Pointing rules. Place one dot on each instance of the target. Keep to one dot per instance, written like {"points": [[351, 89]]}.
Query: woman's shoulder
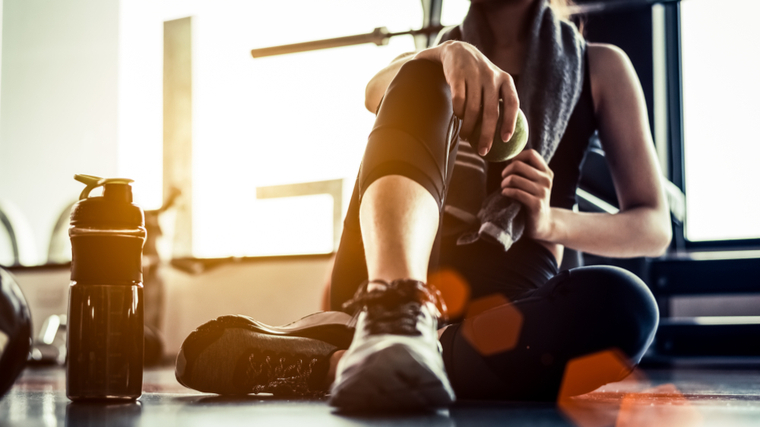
{"points": [[608, 66], [605, 56]]}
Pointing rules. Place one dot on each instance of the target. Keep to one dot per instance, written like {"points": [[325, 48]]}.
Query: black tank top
{"points": [[567, 160], [526, 265]]}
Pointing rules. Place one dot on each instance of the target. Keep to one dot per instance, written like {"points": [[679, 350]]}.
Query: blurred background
{"points": [[248, 164]]}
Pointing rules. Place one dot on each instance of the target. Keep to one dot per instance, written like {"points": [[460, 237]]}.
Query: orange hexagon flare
{"points": [[454, 289], [585, 374], [492, 325]]}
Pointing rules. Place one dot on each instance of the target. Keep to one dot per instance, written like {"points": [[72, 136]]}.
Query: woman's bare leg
{"points": [[399, 221], [396, 215], [395, 346]]}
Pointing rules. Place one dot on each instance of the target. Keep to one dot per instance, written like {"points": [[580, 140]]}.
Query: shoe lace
{"points": [[395, 307], [280, 374]]}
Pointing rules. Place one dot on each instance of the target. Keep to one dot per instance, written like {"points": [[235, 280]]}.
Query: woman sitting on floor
{"points": [[425, 201]]}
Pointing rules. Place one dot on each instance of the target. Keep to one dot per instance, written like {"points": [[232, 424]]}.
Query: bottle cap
{"points": [[107, 233], [113, 210]]}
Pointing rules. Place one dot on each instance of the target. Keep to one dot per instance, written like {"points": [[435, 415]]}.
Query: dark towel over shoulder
{"points": [[549, 87]]}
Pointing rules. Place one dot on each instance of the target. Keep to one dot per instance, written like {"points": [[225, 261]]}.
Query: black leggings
{"points": [[564, 315]]}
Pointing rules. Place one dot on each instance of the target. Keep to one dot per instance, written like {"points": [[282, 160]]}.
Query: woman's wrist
{"points": [[557, 232], [431, 53]]}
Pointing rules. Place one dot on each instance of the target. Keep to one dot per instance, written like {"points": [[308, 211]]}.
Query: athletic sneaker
{"points": [[238, 355], [394, 361]]}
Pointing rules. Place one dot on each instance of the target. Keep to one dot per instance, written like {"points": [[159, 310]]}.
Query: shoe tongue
{"points": [[377, 286], [412, 291], [394, 296], [388, 295], [409, 289]]}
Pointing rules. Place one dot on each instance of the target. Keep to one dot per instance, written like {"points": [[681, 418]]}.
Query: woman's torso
{"points": [[567, 160], [528, 263]]}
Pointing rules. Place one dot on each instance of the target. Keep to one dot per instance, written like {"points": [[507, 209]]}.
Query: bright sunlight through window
{"points": [[257, 122], [721, 65], [453, 11]]}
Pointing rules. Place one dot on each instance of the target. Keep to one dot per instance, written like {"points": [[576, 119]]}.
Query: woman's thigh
{"points": [[578, 312], [488, 271]]}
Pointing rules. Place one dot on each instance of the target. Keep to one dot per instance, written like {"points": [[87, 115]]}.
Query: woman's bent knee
{"points": [[418, 101], [411, 136], [624, 304]]}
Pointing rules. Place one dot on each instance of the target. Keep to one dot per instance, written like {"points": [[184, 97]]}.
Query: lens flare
{"points": [[585, 374], [492, 325], [454, 290], [630, 403], [663, 405]]}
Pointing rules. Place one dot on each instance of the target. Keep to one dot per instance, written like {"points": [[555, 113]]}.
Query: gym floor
{"points": [[682, 397]]}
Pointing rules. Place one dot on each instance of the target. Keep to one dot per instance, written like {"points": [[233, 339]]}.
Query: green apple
{"points": [[502, 151]]}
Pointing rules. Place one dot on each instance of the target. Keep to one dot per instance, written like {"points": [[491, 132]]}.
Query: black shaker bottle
{"points": [[105, 322]]}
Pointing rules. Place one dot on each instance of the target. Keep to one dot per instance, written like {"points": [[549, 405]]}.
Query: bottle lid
{"points": [[113, 210]]}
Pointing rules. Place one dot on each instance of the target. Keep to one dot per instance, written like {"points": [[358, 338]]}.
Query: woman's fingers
{"points": [[527, 171], [526, 174], [511, 104], [472, 109], [532, 158], [531, 187], [476, 86], [458, 96], [528, 200], [490, 120]]}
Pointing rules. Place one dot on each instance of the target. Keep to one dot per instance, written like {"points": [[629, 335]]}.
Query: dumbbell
{"points": [[15, 331]]}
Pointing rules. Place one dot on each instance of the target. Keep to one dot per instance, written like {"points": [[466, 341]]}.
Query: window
{"points": [[257, 122], [453, 11], [720, 69]]}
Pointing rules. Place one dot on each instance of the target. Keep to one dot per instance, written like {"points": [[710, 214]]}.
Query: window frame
{"points": [[676, 142]]}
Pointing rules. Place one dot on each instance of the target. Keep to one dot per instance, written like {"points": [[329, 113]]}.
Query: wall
{"points": [[273, 290], [58, 105]]}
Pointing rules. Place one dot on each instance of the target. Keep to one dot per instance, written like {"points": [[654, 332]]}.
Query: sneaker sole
{"points": [[393, 379], [234, 335]]}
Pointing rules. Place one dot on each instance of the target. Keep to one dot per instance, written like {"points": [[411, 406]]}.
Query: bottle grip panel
{"points": [[106, 259], [105, 341]]}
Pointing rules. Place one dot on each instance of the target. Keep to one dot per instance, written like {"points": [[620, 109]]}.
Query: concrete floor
{"points": [[674, 397]]}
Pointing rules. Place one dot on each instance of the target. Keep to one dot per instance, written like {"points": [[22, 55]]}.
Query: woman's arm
{"points": [[476, 85], [642, 227]]}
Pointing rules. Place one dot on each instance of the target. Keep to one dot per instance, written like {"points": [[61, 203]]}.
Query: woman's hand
{"points": [[528, 179], [476, 87]]}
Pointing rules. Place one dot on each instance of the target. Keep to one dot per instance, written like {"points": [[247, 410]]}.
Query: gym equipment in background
{"points": [[380, 35], [49, 347], [15, 331]]}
